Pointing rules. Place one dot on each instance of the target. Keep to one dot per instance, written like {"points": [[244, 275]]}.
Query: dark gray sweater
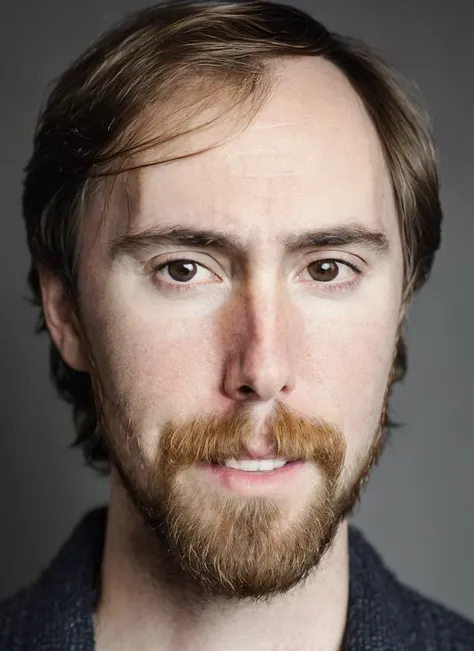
{"points": [[56, 612]]}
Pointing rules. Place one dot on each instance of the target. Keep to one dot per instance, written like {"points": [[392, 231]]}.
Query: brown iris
{"points": [[323, 270], [182, 270]]}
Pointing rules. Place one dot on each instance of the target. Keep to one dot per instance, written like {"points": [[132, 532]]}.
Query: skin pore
{"points": [[290, 296]]}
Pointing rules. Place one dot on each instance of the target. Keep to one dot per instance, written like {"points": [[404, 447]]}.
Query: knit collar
{"points": [[66, 595]]}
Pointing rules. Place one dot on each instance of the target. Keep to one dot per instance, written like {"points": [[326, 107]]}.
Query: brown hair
{"points": [[96, 117]]}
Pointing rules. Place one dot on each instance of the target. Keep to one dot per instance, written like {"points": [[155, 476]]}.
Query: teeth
{"points": [[255, 465]]}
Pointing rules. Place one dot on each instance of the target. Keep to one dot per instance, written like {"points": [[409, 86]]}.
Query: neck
{"points": [[143, 606]]}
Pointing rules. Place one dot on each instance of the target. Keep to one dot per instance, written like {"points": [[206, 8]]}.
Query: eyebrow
{"points": [[183, 236]]}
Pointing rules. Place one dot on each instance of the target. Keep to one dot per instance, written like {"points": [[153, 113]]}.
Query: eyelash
{"points": [[329, 286]]}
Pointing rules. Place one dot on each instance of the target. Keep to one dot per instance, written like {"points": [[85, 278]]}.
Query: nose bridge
{"points": [[266, 322], [264, 359]]}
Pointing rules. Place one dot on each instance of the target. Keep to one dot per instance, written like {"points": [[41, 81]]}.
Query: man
{"points": [[228, 210]]}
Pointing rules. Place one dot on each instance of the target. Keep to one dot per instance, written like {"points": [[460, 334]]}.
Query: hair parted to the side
{"points": [[97, 114]]}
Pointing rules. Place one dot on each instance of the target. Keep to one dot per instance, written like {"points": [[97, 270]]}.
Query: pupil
{"points": [[181, 270]]}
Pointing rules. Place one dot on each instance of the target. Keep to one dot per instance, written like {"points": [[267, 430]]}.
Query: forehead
{"points": [[310, 157]]}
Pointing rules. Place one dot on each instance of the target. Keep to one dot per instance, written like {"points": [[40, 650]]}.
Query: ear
{"points": [[62, 321]]}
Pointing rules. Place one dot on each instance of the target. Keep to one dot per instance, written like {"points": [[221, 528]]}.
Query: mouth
{"points": [[254, 477], [256, 465]]}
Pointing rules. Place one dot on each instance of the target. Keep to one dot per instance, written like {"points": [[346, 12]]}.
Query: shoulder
{"points": [[437, 625], [409, 619], [16, 615], [55, 612]]}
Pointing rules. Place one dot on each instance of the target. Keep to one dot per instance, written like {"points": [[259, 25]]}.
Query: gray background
{"points": [[418, 509]]}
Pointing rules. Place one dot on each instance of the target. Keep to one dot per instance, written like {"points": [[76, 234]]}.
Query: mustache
{"points": [[214, 439]]}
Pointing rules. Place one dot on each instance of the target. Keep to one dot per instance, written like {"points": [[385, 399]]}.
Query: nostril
{"points": [[246, 389]]}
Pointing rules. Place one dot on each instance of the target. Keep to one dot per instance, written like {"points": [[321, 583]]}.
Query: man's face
{"points": [[279, 345]]}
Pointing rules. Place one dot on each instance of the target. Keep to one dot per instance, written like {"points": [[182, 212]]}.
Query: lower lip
{"points": [[262, 483]]}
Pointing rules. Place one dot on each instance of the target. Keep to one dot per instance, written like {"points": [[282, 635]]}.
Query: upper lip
{"points": [[249, 455]]}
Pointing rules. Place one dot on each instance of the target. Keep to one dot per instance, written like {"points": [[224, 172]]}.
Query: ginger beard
{"points": [[228, 545]]}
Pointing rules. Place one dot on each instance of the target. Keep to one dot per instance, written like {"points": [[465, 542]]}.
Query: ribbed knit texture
{"points": [[55, 614]]}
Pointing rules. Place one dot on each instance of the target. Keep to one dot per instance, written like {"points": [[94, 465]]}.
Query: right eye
{"points": [[181, 271]]}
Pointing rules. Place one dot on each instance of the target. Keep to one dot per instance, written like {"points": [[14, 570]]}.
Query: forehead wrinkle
{"points": [[132, 205], [208, 214]]}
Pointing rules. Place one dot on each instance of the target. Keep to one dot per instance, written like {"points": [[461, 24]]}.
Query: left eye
{"points": [[325, 271], [182, 270]]}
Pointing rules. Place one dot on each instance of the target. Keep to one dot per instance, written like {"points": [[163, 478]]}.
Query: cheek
{"points": [[361, 356], [159, 367], [346, 364]]}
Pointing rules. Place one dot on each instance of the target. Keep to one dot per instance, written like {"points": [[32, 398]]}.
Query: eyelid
{"points": [[334, 258], [192, 257], [338, 255]]}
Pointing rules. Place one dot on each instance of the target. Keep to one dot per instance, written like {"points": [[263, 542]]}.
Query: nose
{"points": [[260, 365]]}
